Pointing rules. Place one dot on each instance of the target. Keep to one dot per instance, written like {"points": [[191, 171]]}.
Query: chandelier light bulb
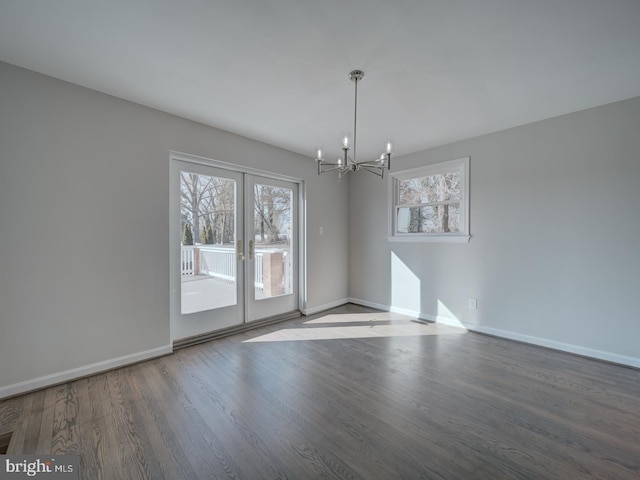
{"points": [[345, 141]]}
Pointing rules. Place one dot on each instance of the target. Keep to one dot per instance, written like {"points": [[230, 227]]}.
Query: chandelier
{"points": [[348, 163]]}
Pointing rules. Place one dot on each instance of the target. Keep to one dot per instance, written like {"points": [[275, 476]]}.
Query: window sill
{"points": [[429, 238]]}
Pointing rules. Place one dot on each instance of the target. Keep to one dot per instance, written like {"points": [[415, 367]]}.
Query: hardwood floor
{"points": [[345, 397]]}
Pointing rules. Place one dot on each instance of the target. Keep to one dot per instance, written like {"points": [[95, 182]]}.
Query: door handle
{"points": [[251, 250], [240, 250]]}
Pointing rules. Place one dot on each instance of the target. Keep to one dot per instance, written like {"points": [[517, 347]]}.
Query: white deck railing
{"points": [[220, 262], [187, 260], [257, 277]]}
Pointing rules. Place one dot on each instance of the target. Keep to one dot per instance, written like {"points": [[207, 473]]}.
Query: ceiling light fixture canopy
{"points": [[347, 163]]}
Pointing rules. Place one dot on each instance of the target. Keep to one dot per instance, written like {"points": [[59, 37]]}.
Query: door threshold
{"points": [[225, 332]]}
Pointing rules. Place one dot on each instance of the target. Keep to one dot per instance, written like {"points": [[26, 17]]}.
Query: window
{"points": [[431, 203]]}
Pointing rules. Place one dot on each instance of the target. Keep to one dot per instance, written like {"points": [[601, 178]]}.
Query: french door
{"points": [[271, 213], [234, 255]]}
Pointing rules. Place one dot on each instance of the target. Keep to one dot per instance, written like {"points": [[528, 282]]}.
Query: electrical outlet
{"points": [[321, 230], [473, 304]]}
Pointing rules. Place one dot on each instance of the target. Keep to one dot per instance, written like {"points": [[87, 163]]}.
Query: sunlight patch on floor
{"points": [[359, 317], [381, 325]]}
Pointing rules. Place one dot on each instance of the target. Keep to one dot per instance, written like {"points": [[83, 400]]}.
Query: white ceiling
{"points": [[276, 70]]}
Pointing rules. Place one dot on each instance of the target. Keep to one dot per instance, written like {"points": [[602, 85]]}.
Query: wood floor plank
{"points": [[19, 432], [156, 439], [37, 432], [88, 431], [100, 438], [9, 413], [343, 397], [132, 454], [64, 416]]}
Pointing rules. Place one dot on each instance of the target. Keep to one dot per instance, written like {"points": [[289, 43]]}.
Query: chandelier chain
{"points": [[355, 120]]}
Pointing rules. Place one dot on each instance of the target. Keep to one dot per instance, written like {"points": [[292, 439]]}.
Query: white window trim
{"points": [[461, 164]]}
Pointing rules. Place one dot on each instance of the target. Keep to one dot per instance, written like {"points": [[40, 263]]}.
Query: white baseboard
{"points": [[565, 347], [401, 311], [367, 303], [541, 342], [322, 308], [75, 373]]}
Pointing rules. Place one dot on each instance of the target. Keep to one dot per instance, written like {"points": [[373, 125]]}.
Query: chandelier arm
{"points": [[376, 163], [372, 163], [379, 173], [322, 168], [343, 172], [348, 159]]}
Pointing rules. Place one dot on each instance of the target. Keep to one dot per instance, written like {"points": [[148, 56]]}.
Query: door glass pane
{"points": [[272, 230], [208, 238]]}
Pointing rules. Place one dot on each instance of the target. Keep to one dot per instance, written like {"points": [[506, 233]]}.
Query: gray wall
{"points": [[84, 223], [554, 257]]}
